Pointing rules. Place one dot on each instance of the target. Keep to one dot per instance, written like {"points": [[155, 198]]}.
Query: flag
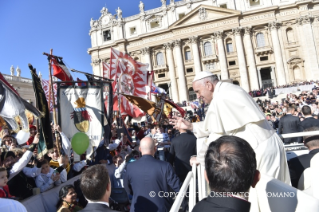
{"points": [[167, 109], [46, 140], [60, 70], [90, 79], [144, 104], [155, 89], [181, 110], [80, 82], [81, 110], [106, 70], [12, 106], [46, 89], [130, 77]]}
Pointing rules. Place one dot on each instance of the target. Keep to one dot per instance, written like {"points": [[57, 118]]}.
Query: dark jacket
{"points": [[97, 207], [147, 179], [309, 122], [290, 124], [222, 204], [182, 148], [298, 164]]}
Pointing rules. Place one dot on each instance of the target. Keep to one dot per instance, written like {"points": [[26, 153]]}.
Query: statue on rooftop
{"points": [[119, 13], [141, 7], [12, 70], [18, 71]]}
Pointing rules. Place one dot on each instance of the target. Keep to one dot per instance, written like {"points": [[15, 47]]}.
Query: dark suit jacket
{"points": [[290, 124], [298, 164], [309, 122], [182, 148], [97, 207], [222, 204], [147, 177]]}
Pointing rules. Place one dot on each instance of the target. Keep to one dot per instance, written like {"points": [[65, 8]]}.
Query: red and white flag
{"points": [[131, 78], [46, 89], [106, 70], [60, 70]]}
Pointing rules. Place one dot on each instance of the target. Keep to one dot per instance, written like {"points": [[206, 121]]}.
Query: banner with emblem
{"points": [[81, 109]]}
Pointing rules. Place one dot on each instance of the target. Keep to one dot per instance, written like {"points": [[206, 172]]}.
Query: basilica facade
{"points": [[254, 43]]}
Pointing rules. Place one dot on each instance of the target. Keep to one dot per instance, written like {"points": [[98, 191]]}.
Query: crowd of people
{"points": [[149, 159]]}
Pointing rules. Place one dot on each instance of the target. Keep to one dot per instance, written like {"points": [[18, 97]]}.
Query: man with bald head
{"points": [[233, 112], [150, 181]]}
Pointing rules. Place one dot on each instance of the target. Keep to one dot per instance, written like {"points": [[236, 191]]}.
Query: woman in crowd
{"points": [[67, 200]]}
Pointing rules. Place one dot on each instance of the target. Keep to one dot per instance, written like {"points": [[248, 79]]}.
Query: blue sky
{"points": [[31, 27]]}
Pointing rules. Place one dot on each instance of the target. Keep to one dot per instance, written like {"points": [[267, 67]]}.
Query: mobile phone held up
{"points": [[59, 169]]}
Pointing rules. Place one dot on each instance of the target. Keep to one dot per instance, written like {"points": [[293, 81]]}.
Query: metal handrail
{"points": [[191, 182], [191, 179]]}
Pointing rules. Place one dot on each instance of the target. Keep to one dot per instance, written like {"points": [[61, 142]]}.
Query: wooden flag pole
{"points": [[53, 102]]}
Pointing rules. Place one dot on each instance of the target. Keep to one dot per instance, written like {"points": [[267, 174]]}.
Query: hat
{"points": [[202, 75], [32, 127]]}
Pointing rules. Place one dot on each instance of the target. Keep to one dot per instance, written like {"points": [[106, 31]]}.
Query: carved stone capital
{"points": [[219, 34], [304, 20], [146, 50], [168, 45], [193, 39], [96, 61], [176, 43], [236, 31], [247, 30], [274, 25]]}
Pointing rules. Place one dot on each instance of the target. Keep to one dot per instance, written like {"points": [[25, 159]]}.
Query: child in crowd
{"points": [[4, 189], [48, 177]]}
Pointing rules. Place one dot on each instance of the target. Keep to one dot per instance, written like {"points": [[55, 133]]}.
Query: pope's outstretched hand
{"points": [[180, 123]]}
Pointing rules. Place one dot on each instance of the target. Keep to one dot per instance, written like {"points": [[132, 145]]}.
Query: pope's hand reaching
{"points": [[193, 160], [180, 123]]}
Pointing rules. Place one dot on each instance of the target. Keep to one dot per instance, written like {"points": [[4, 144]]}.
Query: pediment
{"points": [[204, 13]]}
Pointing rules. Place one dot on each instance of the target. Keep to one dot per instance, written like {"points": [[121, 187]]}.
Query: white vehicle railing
{"points": [[202, 191]]}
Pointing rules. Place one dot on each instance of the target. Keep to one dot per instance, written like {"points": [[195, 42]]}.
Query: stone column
{"points": [[181, 73], [146, 51], [197, 63], [273, 75], [171, 70], [253, 77], [309, 47], [222, 55], [273, 26], [241, 59]]}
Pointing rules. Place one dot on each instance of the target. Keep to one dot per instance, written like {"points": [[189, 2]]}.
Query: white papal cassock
{"points": [[233, 112]]}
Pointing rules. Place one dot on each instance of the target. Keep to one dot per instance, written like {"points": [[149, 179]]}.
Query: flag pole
{"points": [[53, 102]]}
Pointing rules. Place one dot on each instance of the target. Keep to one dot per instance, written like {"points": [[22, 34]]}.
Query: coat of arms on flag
{"points": [[131, 78], [81, 109]]}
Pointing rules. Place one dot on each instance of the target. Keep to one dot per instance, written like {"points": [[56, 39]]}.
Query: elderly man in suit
{"points": [[298, 164], [96, 187], [309, 120], [290, 124], [228, 175], [149, 181]]}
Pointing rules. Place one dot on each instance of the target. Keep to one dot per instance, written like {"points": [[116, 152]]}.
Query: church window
{"points": [[154, 24], [191, 94], [290, 35], [133, 30], [189, 70], [223, 6], [107, 35], [209, 66], [181, 15], [229, 46], [254, 2], [160, 58], [188, 55], [208, 48], [260, 40]]}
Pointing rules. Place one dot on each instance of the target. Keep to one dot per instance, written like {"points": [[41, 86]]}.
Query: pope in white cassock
{"points": [[233, 112]]}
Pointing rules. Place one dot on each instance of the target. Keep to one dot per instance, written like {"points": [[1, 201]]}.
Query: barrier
{"points": [[293, 89], [266, 184]]}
